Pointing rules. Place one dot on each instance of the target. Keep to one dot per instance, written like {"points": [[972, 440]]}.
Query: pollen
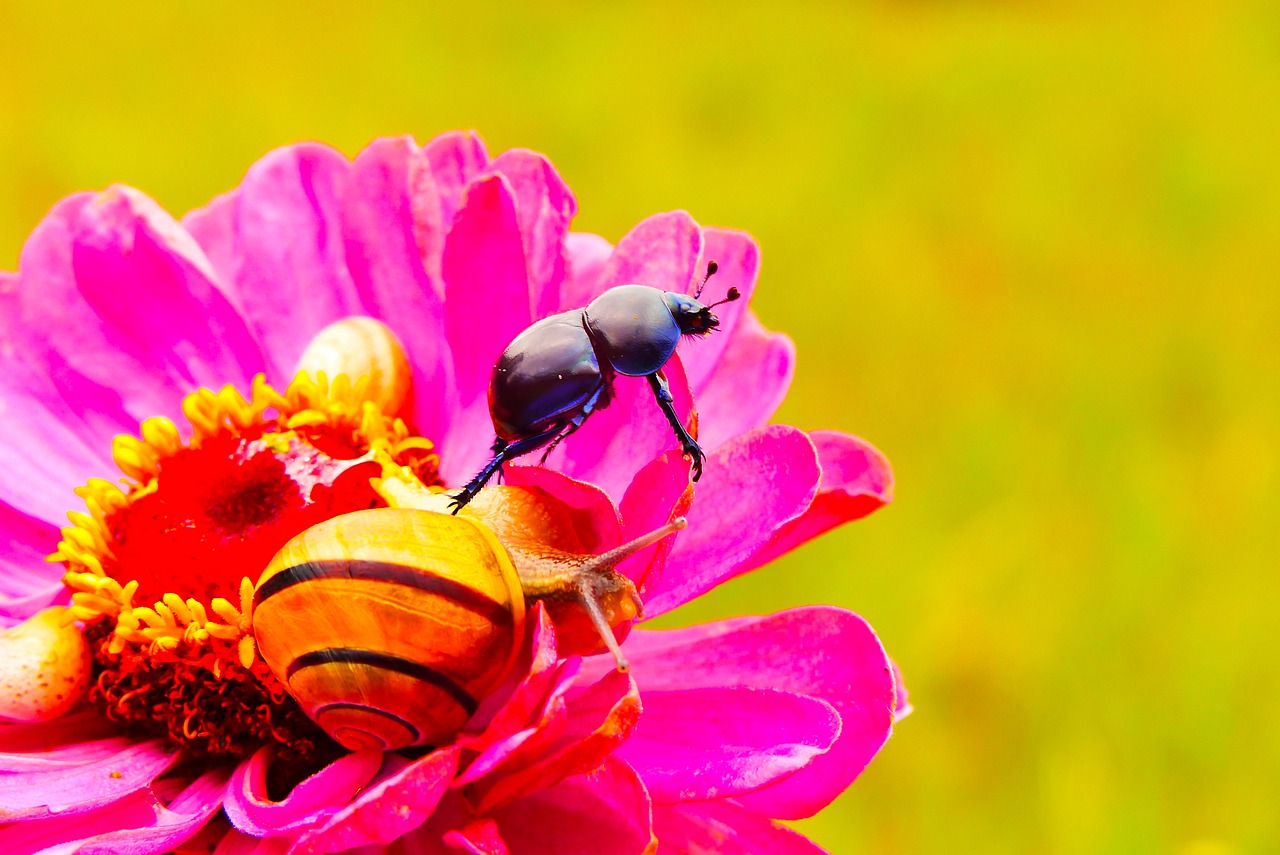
{"points": [[161, 565]]}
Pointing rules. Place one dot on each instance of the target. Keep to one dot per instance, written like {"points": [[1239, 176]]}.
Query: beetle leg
{"points": [[502, 452], [688, 445], [574, 423]]}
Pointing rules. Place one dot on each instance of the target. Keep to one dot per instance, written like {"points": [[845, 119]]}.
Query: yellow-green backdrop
{"points": [[1029, 250]]}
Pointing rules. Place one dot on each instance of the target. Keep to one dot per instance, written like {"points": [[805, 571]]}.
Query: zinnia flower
{"points": [[150, 395]]}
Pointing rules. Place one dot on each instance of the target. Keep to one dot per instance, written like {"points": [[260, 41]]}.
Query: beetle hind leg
{"points": [[502, 452]]}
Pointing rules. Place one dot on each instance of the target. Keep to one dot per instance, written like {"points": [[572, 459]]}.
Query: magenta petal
{"points": [[456, 158], [603, 812], [596, 517], [318, 797], [28, 583], [749, 383], [141, 823], [856, 480], [235, 843], [394, 236], [177, 321], [659, 493], [77, 789], [544, 206], [661, 251], [722, 826], [617, 442], [74, 739], [289, 273], [514, 707], [588, 254], [738, 260], [822, 652], [752, 486], [389, 809], [696, 744], [487, 305]]}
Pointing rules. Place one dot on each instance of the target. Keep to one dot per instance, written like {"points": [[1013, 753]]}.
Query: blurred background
{"points": [[1028, 250]]}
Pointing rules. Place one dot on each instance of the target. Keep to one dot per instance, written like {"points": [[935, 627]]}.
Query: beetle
{"points": [[389, 626], [561, 369]]}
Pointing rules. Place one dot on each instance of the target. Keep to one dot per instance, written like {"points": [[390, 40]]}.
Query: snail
{"points": [[389, 626]]}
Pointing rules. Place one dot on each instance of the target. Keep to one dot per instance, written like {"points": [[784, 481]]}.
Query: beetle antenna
{"points": [[712, 267], [733, 294]]}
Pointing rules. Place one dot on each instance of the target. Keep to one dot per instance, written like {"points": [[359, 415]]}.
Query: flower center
{"points": [[162, 570]]}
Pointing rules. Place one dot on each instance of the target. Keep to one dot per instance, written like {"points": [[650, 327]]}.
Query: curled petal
{"points": [[753, 486], [593, 723], [251, 810], [856, 480], [143, 822], [455, 159], [595, 516], [695, 744], [392, 807]]}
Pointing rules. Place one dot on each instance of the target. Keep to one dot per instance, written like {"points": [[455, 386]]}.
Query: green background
{"points": [[1029, 250]]}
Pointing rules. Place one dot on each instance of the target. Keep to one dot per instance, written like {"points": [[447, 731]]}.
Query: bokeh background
{"points": [[1029, 250]]}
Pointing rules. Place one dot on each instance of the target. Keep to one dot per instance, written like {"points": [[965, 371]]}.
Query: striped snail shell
{"points": [[389, 626]]}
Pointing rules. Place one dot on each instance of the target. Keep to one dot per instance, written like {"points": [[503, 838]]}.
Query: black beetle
{"points": [[561, 369]]}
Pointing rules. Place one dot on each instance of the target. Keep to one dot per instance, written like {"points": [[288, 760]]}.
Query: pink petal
{"points": [[588, 254], [901, 705], [659, 493], [749, 382], [65, 741], [518, 705], [544, 206], [320, 796], [71, 790], [738, 260], [696, 744], [235, 843], [596, 720], [487, 305], [603, 812], [389, 809], [58, 423], [856, 480], [822, 652], [456, 158], [142, 823], [617, 442], [752, 486], [722, 826], [661, 251], [595, 516], [28, 583], [394, 236], [288, 266], [127, 297]]}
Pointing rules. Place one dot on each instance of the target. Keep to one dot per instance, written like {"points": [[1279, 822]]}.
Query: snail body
{"points": [[389, 626]]}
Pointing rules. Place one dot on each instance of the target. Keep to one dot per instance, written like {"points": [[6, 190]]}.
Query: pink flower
{"points": [[119, 314]]}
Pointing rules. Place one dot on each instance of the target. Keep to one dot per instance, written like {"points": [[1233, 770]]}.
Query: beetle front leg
{"points": [[688, 445]]}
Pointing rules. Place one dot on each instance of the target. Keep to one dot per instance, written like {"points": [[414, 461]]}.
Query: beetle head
{"points": [[693, 317]]}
